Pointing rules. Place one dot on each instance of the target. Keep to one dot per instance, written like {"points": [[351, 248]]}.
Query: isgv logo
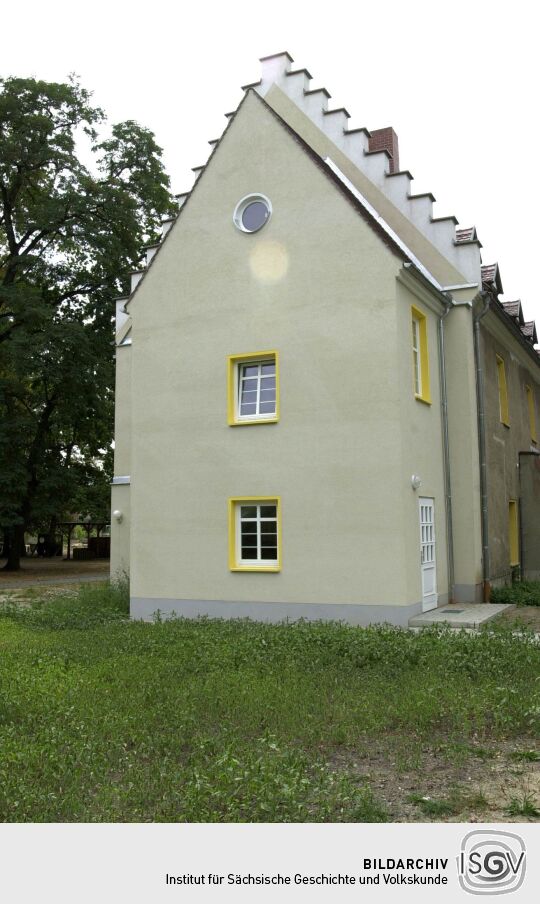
{"points": [[491, 863]]}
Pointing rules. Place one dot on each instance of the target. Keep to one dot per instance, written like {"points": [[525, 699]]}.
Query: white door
{"points": [[427, 554]]}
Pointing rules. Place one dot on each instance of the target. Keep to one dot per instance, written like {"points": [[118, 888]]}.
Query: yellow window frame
{"points": [[234, 502], [532, 417], [418, 317], [513, 532], [233, 364], [504, 414]]}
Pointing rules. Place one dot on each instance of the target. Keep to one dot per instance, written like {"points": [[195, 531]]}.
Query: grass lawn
{"points": [[102, 719]]}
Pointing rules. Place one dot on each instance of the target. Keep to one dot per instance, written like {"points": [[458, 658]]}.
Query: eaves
{"points": [[414, 280], [523, 348]]}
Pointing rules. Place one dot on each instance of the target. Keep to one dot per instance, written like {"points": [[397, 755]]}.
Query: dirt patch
{"points": [[51, 572], [523, 615], [471, 783]]}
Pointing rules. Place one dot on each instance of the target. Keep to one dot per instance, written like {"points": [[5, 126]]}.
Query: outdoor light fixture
{"points": [[415, 481], [118, 516]]}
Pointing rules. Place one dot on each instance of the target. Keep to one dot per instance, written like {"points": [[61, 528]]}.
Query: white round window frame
{"points": [[245, 202]]}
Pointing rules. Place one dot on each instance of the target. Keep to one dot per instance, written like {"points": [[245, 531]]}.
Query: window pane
{"points": [[416, 372], [268, 527], [269, 539], [247, 409], [249, 398], [267, 408], [250, 370], [269, 552], [248, 511], [249, 552], [249, 385], [268, 511], [268, 394], [249, 539], [268, 368], [254, 216], [268, 382]]}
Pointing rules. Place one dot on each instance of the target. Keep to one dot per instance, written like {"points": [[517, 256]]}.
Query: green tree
{"points": [[69, 235]]}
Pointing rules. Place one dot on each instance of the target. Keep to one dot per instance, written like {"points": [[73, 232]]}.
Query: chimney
{"points": [[386, 140]]}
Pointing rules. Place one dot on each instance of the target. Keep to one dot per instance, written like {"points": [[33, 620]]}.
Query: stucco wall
{"points": [[419, 433], [464, 457], [504, 443], [120, 495], [318, 285], [120, 532], [529, 469]]}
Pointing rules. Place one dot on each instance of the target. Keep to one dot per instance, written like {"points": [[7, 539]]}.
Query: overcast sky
{"points": [[458, 82]]}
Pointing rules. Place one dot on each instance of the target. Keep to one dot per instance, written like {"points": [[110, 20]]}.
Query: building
{"points": [[306, 290]]}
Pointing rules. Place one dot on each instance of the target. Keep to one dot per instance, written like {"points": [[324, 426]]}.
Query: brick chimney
{"points": [[386, 140]]}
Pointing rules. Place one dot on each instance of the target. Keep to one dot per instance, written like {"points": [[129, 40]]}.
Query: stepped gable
{"points": [[168, 222], [376, 154]]}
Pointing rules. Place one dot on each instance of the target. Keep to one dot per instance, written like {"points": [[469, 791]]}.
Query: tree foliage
{"points": [[70, 233]]}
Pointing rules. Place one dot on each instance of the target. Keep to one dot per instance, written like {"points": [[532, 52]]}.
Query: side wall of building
{"points": [[506, 437]]}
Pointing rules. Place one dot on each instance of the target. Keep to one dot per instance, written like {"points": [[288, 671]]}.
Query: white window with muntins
{"points": [[427, 553], [253, 388], [257, 390], [257, 534]]}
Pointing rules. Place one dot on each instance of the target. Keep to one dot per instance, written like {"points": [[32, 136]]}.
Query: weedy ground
{"points": [[521, 593], [103, 719], [524, 600]]}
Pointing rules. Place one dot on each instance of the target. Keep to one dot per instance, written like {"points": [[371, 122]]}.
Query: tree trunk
{"points": [[15, 548]]}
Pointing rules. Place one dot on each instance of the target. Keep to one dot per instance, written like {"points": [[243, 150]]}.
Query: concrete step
{"points": [[459, 615]]}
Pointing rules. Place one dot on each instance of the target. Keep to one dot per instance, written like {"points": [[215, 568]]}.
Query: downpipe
{"points": [[446, 451], [481, 414]]}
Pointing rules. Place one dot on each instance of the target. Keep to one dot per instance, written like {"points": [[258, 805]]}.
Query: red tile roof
{"points": [[492, 277], [529, 331], [466, 235], [513, 309]]}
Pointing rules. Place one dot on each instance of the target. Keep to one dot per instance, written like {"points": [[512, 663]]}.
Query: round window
{"points": [[252, 212]]}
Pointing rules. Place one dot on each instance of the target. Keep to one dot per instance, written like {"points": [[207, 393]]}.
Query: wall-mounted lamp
{"points": [[415, 482], [118, 516]]}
